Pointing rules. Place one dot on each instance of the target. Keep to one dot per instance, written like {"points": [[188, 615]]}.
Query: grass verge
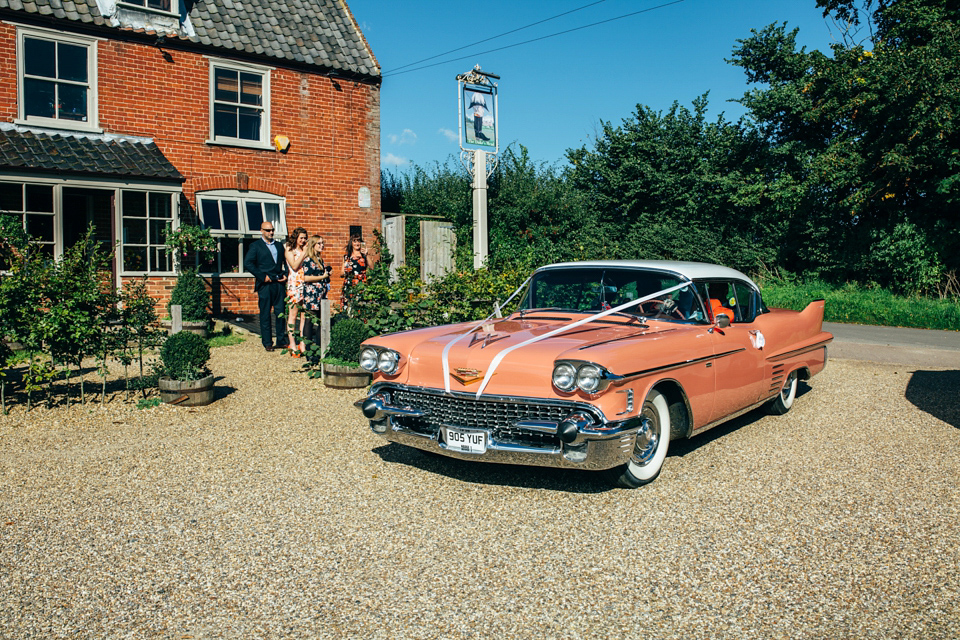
{"points": [[855, 304]]}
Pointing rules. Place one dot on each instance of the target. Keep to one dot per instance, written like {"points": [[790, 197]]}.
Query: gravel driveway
{"points": [[275, 512]]}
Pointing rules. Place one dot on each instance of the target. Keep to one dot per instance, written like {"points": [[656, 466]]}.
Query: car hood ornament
{"points": [[466, 376]]}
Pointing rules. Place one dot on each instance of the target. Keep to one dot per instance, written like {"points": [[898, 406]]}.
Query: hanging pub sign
{"points": [[478, 110]]}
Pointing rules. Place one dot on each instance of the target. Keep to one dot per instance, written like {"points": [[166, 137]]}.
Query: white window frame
{"points": [[93, 116], [243, 232], [138, 7], [117, 187], [152, 248], [238, 67]]}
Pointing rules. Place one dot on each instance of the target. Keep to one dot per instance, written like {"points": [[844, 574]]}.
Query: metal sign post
{"points": [[479, 124]]}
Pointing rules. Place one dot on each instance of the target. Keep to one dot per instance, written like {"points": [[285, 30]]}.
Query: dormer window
{"points": [[156, 5]]}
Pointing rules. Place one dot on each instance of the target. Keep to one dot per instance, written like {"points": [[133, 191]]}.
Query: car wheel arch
{"points": [[681, 415]]}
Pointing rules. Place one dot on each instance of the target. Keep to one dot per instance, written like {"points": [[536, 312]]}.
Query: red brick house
{"points": [[136, 114]]}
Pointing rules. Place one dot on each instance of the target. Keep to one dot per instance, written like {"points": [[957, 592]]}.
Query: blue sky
{"points": [[554, 92]]}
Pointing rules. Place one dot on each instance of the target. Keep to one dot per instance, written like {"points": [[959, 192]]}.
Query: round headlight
{"points": [[588, 377], [388, 361], [368, 359], [564, 376]]}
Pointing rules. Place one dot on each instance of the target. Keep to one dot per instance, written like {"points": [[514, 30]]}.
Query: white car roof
{"points": [[689, 270]]}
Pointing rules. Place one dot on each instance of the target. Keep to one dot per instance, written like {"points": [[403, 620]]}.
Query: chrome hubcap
{"points": [[788, 387], [648, 437]]}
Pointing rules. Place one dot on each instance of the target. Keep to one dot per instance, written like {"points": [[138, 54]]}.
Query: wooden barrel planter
{"points": [[187, 393], [338, 376]]}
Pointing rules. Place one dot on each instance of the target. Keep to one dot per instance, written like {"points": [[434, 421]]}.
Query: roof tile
{"points": [[83, 155], [268, 27]]}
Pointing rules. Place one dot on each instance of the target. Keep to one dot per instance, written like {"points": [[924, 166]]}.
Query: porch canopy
{"points": [[91, 156]]}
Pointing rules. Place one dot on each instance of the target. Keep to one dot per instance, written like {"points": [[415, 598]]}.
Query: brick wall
{"points": [[333, 125]]}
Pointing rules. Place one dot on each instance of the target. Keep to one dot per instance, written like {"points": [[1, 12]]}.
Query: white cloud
{"points": [[393, 160], [407, 137], [448, 134]]}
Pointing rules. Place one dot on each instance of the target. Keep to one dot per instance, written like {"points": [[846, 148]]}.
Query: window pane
{"points": [[158, 231], [210, 213], [251, 87], [160, 259], [135, 204], [231, 215], [11, 196], [39, 198], [39, 58], [245, 245], [272, 211], [40, 227], [225, 86], [38, 98], [254, 216], [134, 231], [134, 258], [249, 123], [162, 5], [224, 121], [160, 206], [71, 62], [73, 102], [230, 255]]}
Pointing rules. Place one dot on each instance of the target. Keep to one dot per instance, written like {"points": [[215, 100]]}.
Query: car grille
{"points": [[499, 415]]}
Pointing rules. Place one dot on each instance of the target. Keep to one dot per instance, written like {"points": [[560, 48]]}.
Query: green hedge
{"points": [[855, 304]]}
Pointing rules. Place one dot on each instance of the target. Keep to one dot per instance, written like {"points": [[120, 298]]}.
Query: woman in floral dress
{"points": [[296, 253], [354, 266], [316, 285]]}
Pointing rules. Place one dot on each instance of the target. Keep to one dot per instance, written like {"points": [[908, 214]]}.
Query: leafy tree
{"points": [[867, 138], [676, 186], [79, 306]]}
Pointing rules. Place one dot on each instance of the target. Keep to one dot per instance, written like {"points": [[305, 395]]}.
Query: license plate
{"points": [[466, 441]]}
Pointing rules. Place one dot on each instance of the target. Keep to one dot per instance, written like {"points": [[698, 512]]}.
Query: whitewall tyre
{"points": [[650, 448], [788, 393]]}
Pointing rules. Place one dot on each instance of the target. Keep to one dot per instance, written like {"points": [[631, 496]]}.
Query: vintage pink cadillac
{"points": [[601, 365]]}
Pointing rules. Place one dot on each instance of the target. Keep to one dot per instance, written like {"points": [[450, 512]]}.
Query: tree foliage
{"points": [[846, 166]]}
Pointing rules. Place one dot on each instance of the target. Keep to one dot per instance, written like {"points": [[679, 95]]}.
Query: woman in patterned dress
{"points": [[295, 252], [316, 285], [354, 265]]}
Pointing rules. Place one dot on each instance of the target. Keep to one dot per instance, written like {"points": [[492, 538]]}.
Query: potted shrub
{"points": [[340, 367], [192, 296], [185, 380]]}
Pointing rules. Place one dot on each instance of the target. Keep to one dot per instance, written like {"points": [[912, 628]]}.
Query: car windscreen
{"points": [[591, 290]]}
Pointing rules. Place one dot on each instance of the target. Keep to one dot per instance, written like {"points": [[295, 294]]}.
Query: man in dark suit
{"points": [[266, 261]]}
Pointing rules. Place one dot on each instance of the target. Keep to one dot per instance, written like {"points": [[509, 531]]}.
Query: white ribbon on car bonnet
{"points": [[444, 358], [499, 357]]}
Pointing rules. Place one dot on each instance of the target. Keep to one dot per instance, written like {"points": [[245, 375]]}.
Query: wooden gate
{"points": [[437, 241]]}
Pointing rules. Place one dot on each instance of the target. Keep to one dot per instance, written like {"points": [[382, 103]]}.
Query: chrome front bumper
{"points": [[564, 434]]}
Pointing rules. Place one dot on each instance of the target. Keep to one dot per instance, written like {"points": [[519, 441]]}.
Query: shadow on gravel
{"points": [[936, 393], [221, 391], [681, 448], [567, 480]]}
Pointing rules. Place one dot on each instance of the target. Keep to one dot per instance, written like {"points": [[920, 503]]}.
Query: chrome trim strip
{"points": [[599, 417], [629, 377], [541, 426], [735, 414], [798, 352], [633, 335]]}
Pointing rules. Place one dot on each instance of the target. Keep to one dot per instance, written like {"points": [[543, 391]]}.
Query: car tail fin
{"points": [[813, 314]]}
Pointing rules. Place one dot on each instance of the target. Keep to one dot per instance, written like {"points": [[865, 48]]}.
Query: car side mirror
{"points": [[723, 320]]}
